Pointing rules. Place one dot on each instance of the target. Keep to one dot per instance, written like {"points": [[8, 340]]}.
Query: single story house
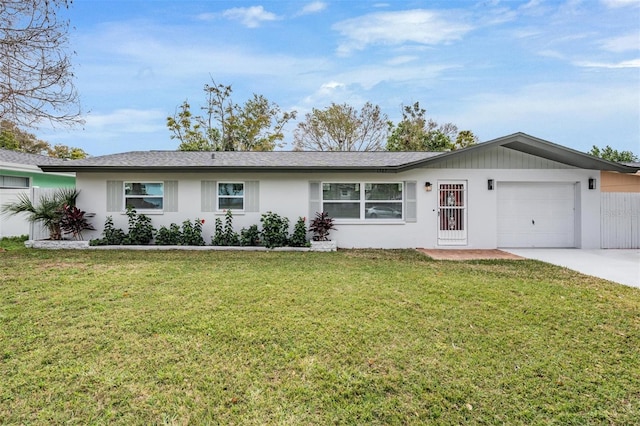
{"points": [[20, 174], [514, 191]]}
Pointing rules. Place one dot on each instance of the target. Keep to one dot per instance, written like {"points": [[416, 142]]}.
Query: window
{"points": [[368, 201], [230, 196], [14, 182], [144, 195]]}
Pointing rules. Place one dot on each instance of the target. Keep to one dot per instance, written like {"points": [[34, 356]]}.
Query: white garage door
{"points": [[536, 214]]}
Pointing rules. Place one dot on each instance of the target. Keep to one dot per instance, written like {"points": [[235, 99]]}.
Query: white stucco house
{"points": [[514, 191]]}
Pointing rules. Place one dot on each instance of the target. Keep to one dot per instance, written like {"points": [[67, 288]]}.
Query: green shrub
{"points": [[275, 230], [192, 233], [112, 236], [225, 236], [299, 236], [250, 236], [171, 236], [17, 239], [140, 229]]}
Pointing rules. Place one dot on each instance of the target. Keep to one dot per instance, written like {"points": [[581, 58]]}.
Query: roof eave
{"points": [[226, 169]]}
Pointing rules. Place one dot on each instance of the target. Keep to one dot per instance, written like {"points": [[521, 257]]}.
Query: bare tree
{"points": [[342, 128], [36, 77]]}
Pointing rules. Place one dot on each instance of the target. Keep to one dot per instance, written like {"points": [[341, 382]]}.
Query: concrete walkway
{"points": [[620, 266]]}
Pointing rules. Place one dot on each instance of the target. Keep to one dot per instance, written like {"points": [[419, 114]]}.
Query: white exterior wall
{"points": [[288, 195]]}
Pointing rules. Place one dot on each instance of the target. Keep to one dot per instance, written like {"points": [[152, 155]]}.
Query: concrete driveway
{"points": [[620, 266]]}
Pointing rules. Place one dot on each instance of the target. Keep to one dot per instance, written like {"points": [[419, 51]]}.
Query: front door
{"points": [[452, 213]]}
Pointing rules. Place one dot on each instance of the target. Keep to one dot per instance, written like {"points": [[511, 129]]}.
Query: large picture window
{"points": [[144, 195], [363, 200], [230, 196]]}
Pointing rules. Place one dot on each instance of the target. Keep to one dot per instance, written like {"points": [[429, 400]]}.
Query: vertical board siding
{"points": [[252, 196], [497, 158], [411, 204], [115, 195], [314, 199], [208, 196], [170, 196], [620, 216]]}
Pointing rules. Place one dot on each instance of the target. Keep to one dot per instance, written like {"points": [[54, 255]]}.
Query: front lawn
{"points": [[353, 337]]}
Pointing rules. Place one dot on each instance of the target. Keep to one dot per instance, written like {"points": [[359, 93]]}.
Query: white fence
{"points": [[36, 230], [12, 225], [620, 216]]}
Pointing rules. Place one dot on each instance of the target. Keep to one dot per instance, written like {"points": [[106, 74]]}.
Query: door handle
{"points": [[533, 222]]}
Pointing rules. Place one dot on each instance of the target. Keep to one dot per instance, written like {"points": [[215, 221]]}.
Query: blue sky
{"points": [[565, 71]]}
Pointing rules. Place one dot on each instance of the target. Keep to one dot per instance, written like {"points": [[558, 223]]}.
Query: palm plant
{"points": [[48, 210]]}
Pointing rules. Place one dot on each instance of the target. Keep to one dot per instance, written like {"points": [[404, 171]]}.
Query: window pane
{"points": [[342, 210], [14, 182], [236, 189], [139, 188], [383, 191], [226, 203], [383, 211], [340, 191], [146, 203]]}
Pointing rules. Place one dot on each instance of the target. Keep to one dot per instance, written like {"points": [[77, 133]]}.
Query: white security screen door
{"points": [[452, 213]]}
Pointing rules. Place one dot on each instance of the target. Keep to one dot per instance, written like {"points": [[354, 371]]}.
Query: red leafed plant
{"points": [[320, 226], [73, 221]]}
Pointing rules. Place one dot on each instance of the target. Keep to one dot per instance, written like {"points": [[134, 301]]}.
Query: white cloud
{"points": [[250, 17], [623, 43], [396, 28], [126, 121], [634, 63], [314, 7], [403, 59]]}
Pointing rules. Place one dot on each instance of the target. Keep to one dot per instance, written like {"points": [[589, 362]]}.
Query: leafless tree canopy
{"points": [[36, 78], [342, 128]]}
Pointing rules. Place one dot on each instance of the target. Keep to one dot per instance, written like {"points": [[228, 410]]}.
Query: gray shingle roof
{"points": [[323, 161], [280, 160], [8, 156]]}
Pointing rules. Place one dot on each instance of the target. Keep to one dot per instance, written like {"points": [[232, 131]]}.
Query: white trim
{"points": [[362, 201], [243, 196], [140, 210]]}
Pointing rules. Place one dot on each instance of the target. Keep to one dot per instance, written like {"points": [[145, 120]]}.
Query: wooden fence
{"points": [[620, 217]]}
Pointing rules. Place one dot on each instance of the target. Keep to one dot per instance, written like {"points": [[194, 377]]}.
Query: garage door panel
{"points": [[536, 214]]}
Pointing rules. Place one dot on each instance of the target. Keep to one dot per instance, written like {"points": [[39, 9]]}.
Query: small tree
{"points": [[226, 126], [416, 132]]}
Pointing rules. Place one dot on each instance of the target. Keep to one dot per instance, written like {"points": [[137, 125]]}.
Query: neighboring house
{"points": [[621, 182], [20, 174], [514, 191]]}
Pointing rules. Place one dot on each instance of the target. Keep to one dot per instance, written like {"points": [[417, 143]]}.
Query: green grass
{"points": [[353, 337]]}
